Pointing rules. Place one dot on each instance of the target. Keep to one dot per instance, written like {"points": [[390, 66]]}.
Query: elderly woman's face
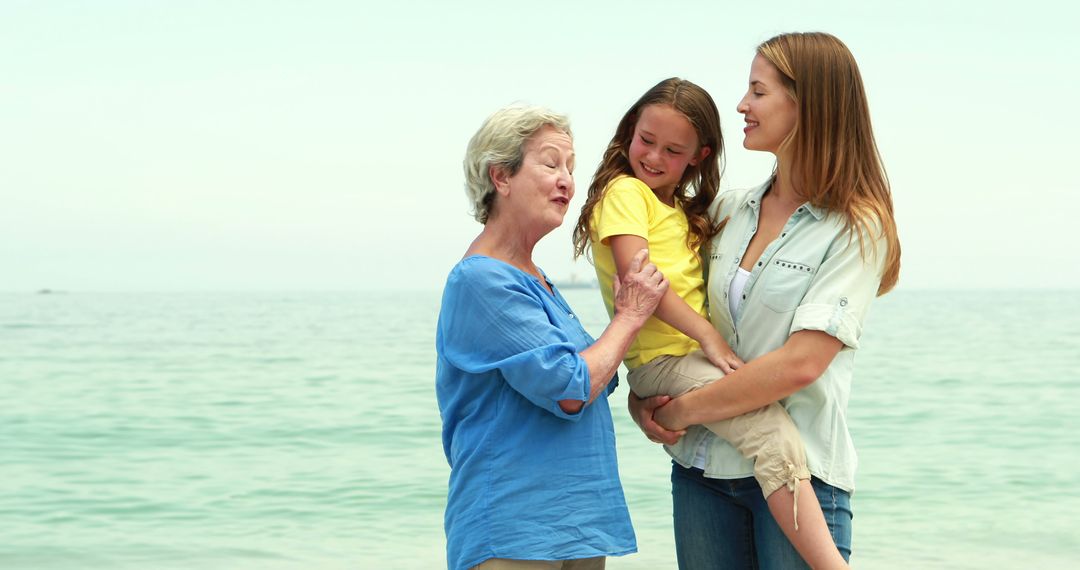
{"points": [[541, 190]]}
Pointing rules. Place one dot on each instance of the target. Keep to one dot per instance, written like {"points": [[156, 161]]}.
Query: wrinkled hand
{"points": [[720, 354], [642, 411], [637, 295]]}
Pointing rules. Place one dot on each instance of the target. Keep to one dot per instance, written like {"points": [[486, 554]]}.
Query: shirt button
{"points": [[843, 301]]}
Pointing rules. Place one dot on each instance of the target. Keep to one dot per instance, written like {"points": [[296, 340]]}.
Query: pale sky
{"points": [[254, 145]]}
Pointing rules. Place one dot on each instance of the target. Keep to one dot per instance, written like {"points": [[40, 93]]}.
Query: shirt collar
{"points": [[817, 212], [753, 200]]}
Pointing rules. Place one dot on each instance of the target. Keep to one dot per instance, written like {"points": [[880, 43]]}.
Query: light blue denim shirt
{"points": [[814, 276]]}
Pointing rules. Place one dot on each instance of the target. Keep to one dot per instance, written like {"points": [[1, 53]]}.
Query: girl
{"points": [[657, 179]]}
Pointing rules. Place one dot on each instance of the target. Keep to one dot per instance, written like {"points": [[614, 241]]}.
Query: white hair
{"points": [[500, 142]]}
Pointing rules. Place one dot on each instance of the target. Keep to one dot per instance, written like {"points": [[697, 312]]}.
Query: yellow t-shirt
{"points": [[629, 207]]}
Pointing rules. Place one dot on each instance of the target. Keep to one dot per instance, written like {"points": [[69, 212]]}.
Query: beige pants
{"points": [[506, 564], [766, 435]]}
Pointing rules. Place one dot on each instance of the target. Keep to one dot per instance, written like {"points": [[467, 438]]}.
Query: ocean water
{"points": [[300, 430]]}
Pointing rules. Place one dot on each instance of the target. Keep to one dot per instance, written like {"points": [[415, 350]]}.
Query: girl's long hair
{"points": [[834, 159], [699, 183]]}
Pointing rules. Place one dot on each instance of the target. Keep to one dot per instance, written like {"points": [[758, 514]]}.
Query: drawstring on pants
{"points": [[792, 483]]}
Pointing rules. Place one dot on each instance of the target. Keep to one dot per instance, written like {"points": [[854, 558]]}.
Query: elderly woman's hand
{"points": [[636, 298], [638, 293]]}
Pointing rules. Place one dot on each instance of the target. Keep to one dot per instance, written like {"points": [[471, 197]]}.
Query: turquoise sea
{"points": [[300, 430]]}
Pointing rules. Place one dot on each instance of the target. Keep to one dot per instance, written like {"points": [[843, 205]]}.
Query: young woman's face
{"points": [[664, 143], [769, 111]]}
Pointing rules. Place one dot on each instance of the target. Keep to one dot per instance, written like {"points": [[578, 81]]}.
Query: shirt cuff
{"points": [[834, 320], [580, 392], [619, 230]]}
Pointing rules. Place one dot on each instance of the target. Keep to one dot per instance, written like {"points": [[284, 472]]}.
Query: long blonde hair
{"points": [[832, 151], [699, 183]]}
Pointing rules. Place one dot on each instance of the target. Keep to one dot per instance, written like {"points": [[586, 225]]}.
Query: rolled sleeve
{"points": [[842, 289], [493, 323]]}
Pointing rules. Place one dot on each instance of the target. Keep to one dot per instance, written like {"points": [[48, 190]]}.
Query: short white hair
{"points": [[500, 142]]}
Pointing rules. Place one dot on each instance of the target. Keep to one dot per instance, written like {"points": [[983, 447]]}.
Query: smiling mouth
{"points": [[562, 201], [652, 171]]}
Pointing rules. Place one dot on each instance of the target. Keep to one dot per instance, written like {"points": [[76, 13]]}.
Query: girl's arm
{"points": [[766, 379], [636, 296], [674, 311]]}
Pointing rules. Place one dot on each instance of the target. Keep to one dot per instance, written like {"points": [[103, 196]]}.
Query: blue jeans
{"points": [[726, 523]]}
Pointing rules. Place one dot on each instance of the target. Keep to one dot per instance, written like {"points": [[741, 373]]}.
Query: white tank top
{"points": [[738, 283]]}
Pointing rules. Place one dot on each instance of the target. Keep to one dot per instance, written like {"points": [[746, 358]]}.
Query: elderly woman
{"points": [[522, 388]]}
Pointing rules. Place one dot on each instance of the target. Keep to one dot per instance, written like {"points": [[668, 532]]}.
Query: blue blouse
{"points": [[527, 480]]}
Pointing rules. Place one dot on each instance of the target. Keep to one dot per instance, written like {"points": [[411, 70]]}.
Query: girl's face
{"points": [[664, 143], [769, 111]]}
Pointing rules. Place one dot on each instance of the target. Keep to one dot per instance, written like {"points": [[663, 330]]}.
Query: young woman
{"points": [[652, 190], [791, 277]]}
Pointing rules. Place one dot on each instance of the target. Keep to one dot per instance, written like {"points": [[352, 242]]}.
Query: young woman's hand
{"points": [[642, 411], [670, 415], [719, 353]]}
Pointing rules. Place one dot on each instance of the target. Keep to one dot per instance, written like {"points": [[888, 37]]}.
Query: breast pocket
{"points": [[786, 285]]}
